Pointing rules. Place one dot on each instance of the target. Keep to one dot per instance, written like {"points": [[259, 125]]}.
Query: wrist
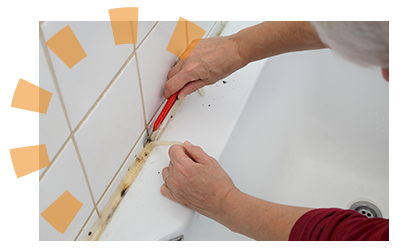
{"points": [[239, 42], [239, 49], [231, 209]]}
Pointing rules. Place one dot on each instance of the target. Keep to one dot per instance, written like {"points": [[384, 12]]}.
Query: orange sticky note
{"points": [[62, 211], [31, 97], [67, 47], [124, 24], [185, 38], [29, 159]]}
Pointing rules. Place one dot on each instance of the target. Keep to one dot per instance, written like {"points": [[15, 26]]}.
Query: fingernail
{"points": [[181, 97], [187, 144]]}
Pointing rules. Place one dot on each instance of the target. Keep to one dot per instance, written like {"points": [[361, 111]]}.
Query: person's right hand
{"points": [[211, 60]]}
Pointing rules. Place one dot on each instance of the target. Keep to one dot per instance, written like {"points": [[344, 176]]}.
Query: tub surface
{"points": [[315, 133]]}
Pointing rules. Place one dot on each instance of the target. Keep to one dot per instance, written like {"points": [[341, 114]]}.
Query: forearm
{"points": [[273, 38], [259, 219]]}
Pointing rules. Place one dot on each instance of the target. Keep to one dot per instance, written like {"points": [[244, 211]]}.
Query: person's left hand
{"points": [[196, 180]]}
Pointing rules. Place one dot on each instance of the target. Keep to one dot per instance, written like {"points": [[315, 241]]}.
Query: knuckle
{"points": [[211, 161], [174, 184], [191, 67], [171, 150]]}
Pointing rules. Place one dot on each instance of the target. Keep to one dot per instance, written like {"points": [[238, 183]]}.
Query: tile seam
{"points": [[84, 225], [84, 173]]}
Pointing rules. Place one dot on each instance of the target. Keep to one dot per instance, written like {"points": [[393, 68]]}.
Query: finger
{"points": [[196, 153], [164, 190], [177, 82], [190, 88], [177, 67], [178, 156], [165, 173]]}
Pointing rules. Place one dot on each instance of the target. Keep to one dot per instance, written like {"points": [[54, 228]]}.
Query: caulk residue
{"points": [[130, 177]]}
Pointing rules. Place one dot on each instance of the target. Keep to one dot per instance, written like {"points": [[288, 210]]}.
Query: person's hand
{"points": [[211, 60], [196, 180]]}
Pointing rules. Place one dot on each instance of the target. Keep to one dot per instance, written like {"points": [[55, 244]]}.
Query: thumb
{"points": [[195, 152], [164, 190]]}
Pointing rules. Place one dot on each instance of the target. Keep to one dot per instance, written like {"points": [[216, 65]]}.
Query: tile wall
{"points": [[95, 124]]}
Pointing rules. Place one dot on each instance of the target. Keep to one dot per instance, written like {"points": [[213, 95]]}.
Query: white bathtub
{"points": [[313, 132]]}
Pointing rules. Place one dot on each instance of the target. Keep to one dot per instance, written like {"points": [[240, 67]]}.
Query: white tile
{"points": [[111, 130], [83, 84], [154, 64], [53, 128], [65, 175]]}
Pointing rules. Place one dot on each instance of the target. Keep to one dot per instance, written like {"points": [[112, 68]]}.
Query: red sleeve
{"points": [[339, 224]]}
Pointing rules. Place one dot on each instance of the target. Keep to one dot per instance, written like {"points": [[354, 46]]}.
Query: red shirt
{"points": [[339, 224]]}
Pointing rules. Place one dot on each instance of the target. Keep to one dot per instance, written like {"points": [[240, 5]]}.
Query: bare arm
{"points": [[197, 181], [273, 38], [259, 219], [215, 58]]}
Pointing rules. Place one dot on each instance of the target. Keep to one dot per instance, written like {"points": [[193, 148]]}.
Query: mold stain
{"points": [[134, 170], [124, 190]]}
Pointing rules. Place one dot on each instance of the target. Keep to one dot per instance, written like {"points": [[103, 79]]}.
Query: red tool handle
{"points": [[164, 112]]}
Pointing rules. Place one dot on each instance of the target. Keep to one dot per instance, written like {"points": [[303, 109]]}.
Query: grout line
{"points": [[140, 87], [84, 173], [140, 79], [148, 34], [84, 225], [141, 93], [55, 158]]}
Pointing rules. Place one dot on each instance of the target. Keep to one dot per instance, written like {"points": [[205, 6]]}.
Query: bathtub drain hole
{"points": [[367, 208]]}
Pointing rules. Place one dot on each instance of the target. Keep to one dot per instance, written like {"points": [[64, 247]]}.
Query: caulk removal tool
{"points": [[161, 117]]}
